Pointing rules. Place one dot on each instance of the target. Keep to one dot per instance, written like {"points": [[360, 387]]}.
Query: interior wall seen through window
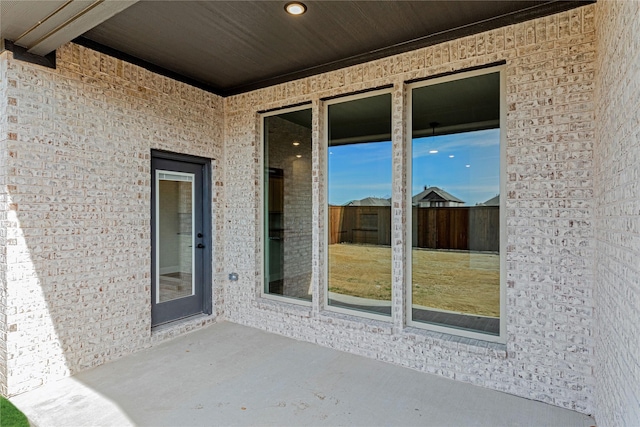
{"points": [[288, 204]]}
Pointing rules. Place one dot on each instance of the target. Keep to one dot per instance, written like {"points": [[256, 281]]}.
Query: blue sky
{"points": [[364, 170]]}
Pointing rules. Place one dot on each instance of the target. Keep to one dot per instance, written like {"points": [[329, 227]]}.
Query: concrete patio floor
{"points": [[227, 374]]}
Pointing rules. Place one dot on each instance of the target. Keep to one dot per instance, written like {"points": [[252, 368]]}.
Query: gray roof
{"points": [[434, 193], [494, 201], [370, 201]]}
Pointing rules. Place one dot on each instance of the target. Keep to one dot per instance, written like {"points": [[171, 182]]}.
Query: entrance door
{"points": [[180, 227]]}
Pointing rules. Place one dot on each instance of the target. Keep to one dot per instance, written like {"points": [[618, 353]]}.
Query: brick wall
{"points": [[617, 221], [78, 231], [4, 206], [550, 134]]}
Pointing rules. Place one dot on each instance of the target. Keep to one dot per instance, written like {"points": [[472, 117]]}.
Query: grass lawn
{"points": [[455, 281], [10, 416]]}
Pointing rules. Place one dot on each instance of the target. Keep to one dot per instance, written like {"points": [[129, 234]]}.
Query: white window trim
{"points": [[262, 217], [502, 338], [325, 206]]}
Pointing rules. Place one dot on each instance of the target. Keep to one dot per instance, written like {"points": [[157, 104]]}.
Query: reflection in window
{"points": [[359, 187], [455, 188], [287, 204]]}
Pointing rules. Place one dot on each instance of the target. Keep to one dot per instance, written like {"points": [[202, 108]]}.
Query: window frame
{"points": [[409, 87], [263, 217], [325, 197]]}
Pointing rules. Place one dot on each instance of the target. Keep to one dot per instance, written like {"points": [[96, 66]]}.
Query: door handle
{"points": [[200, 246]]}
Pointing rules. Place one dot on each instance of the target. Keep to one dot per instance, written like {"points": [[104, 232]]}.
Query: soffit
{"points": [[235, 46], [229, 47]]}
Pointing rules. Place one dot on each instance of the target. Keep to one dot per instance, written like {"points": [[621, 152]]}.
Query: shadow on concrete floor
{"points": [[227, 374]]}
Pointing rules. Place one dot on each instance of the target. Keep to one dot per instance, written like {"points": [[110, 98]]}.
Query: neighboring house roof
{"points": [[494, 201], [434, 194], [370, 201]]}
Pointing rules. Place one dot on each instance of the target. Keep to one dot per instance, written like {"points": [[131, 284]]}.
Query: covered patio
{"points": [[170, 174], [235, 375]]}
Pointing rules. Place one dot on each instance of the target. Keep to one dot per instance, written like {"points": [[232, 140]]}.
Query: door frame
{"points": [[207, 225]]}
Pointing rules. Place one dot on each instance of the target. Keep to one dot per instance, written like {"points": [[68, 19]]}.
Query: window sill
{"points": [[354, 321], [460, 343], [284, 305]]}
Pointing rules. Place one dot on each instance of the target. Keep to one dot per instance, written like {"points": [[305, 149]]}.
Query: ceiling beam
{"points": [[68, 23]]}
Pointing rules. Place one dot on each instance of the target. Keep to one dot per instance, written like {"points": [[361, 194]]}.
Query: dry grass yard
{"points": [[454, 281]]}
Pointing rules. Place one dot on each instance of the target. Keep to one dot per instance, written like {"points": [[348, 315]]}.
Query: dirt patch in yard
{"points": [[466, 282]]}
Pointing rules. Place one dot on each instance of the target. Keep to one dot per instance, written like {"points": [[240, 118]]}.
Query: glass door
{"points": [[178, 240]]}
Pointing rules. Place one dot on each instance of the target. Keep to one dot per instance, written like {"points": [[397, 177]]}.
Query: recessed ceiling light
{"points": [[296, 143], [298, 155], [295, 8]]}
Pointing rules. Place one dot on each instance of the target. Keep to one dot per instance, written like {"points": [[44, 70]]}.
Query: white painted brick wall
{"points": [[550, 135], [617, 219], [77, 229], [3, 223]]}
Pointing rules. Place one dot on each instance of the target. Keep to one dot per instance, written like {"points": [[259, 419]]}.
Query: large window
{"points": [[454, 185], [359, 211], [287, 204], [455, 203]]}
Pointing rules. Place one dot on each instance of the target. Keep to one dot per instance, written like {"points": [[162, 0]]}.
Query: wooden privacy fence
{"points": [[474, 228], [360, 224]]}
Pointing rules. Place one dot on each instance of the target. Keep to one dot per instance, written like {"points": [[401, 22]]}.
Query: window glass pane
{"points": [[175, 236], [288, 210], [359, 187], [455, 187]]}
